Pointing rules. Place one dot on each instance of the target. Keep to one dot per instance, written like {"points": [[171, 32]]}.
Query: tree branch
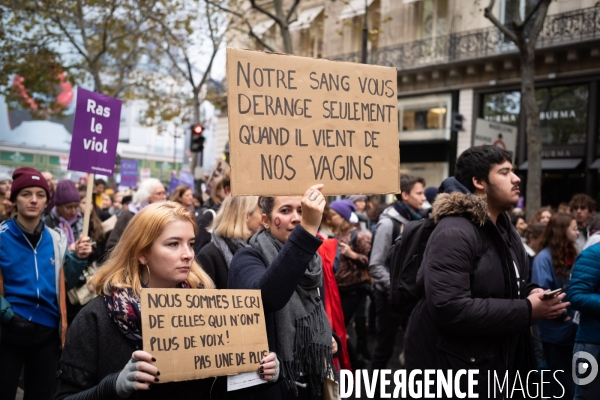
{"points": [[535, 8], [289, 15], [267, 13], [538, 23], [507, 32]]}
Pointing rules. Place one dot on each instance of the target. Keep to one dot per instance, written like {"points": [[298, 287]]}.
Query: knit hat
{"points": [[27, 177], [5, 177], [65, 193], [357, 197], [346, 209], [431, 193]]}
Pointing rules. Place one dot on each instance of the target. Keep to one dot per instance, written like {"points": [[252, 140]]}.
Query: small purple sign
{"points": [[95, 133], [129, 172], [174, 183], [187, 179]]}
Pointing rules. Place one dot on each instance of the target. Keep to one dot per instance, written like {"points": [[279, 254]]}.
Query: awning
{"points": [[595, 164], [306, 18], [355, 8], [260, 28], [555, 163]]}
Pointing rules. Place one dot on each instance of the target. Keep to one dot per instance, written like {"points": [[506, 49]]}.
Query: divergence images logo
{"points": [[582, 364]]}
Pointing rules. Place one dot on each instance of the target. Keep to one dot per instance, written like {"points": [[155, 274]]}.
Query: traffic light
{"points": [[457, 122], [197, 140]]}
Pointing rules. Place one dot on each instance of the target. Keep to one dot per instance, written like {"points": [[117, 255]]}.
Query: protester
{"points": [[106, 202], [563, 207], [534, 237], [183, 195], [150, 191], [594, 229], [542, 215], [406, 208], [220, 191], [352, 275], [475, 310], [551, 270], [283, 263], [117, 204], [583, 293], [36, 270], [52, 186], [5, 182], [360, 203], [9, 209], [583, 207], [237, 220], [65, 214], [102, 353], [430, 195], [520, 225], [98, 191]]}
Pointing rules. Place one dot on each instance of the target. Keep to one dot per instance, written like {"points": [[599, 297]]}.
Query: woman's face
{"points": [[8, 206], [187, 199], [117, 202], [253, 220], [336, 219], [361, 205], [545, 217], [106, 202], [572, 232], [82, 204], [521, 226], [286, 214], [170, 257], [68, 211]]}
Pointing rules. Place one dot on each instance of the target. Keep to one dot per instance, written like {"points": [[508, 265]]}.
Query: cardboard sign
{"points": [[296, 121], [496, 134], [196, 334], [129, 172], [95, 133]]}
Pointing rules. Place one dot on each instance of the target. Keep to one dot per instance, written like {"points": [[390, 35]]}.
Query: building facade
{"points": [[452, 60]]}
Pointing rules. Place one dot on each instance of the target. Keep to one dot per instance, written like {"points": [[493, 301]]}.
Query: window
{"points": [[563, 112], [433, 15], [425, 118]]}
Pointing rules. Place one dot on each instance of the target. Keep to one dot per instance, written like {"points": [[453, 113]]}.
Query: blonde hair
{"points": [[231, 220], [122, 269]]}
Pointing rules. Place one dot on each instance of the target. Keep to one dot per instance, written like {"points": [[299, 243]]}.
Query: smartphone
{"points": [[552, 294]]}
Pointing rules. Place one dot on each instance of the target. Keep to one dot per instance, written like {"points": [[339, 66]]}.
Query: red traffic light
{"points": [[197, 129]]}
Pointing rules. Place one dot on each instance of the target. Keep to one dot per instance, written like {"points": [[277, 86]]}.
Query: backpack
{"points": [[404, 259]]}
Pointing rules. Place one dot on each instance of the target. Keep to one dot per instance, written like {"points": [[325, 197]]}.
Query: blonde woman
{"points": [[237, 220], [102, 356]]}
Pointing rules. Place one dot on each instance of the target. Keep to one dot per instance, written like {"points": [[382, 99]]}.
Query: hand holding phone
{"points": [[552, 294]]}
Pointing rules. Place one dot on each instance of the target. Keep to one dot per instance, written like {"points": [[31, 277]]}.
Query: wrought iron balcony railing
{"points": [[559, 29]]}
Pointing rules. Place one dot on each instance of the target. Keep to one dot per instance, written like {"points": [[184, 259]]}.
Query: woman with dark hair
{"points": [[552, 270], [283, 263]]}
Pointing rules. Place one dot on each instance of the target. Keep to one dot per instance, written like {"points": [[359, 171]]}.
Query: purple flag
{"points": [[95, 133], [129, 172], [187, 179], [174, 183]]}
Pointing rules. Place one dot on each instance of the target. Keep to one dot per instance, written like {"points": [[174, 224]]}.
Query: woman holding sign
{"points": [[283, 263], [102, 357]]}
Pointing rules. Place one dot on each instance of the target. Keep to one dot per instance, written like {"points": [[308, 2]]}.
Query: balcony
{"points": [[559, 30]]}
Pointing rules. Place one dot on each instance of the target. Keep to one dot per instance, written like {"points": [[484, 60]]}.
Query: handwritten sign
{"points": [[196, 334], [296, 121], [95, 133]]}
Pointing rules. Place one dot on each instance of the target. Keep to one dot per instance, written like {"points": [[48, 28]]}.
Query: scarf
{"points": [[65, 225], [123, 307], [406, 211], [228, 246], [302, 331]]}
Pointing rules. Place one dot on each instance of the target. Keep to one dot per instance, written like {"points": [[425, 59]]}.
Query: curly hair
{"points": [[563, 250]]}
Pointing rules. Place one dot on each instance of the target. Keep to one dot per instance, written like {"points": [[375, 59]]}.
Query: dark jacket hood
{"points": [[455, 199]]}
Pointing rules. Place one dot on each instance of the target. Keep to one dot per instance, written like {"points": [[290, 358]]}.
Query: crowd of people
{"points": [[70, 307]]}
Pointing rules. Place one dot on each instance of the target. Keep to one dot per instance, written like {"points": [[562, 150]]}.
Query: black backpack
{"points": [[404, 259]]}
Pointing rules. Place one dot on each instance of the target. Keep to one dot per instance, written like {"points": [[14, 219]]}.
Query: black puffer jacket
{"points": [[472, 316]]}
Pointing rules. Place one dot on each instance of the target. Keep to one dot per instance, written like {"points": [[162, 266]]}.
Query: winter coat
{"points": [[67, 268], [117, 232], [213, 263], [95, 353], [471, 317], [584, 294], [382, 241], [351, 273], [560, 330]]}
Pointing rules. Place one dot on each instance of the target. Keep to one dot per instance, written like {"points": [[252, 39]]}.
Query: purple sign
{"points": [[174, 183], [187, 179], [95, 133], [129, 172]]}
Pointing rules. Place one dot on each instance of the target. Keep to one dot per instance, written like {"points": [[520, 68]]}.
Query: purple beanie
{"points": [[343, 207], [65, 193]]}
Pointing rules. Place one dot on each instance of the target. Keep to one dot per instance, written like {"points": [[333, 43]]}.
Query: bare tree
{"points": [[524, 33]]}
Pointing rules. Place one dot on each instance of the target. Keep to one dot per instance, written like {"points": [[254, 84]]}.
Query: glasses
{"points": [[162, 193]]}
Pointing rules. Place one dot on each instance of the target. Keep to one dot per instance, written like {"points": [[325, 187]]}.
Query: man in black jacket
{"points": [[476, 310]]}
